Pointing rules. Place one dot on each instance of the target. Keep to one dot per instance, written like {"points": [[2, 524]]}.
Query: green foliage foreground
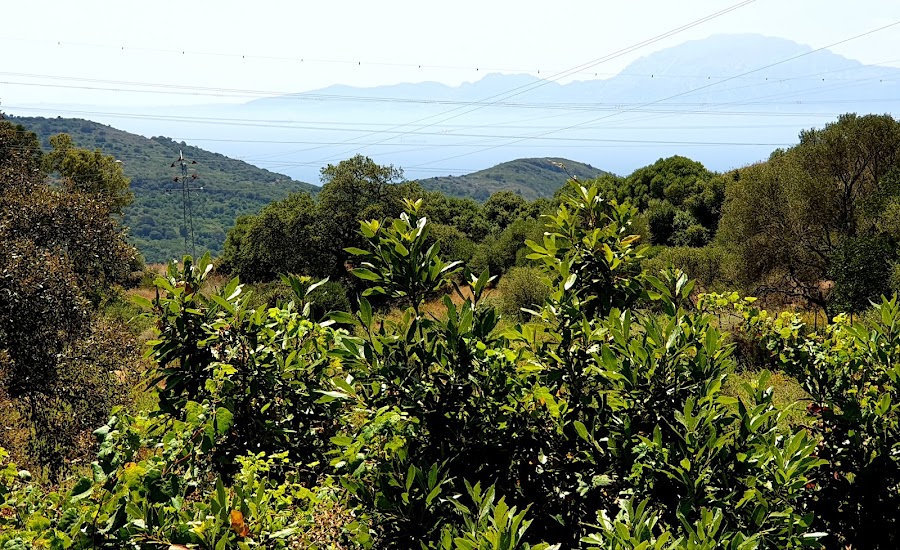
{"points": [[603, 425]]}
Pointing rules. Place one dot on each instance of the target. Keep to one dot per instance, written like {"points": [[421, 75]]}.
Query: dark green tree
{"points": [[283, 238], [789, 218], [90, 172], [860, 268], [853, 154], [500, 252], [675, 179], [60, 254], [20, 156], [503, 208], [464, 214], [780, 224], [352, 190], [668, 187], [687, 231], [661, 221]]}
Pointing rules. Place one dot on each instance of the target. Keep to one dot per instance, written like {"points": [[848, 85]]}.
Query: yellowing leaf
{"points": [[238, 525]]}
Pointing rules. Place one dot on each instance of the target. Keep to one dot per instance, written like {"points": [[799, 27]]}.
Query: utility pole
{"points": [[187, 211]]}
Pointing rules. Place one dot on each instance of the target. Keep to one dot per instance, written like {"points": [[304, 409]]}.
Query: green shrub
{"points": [[708, 265], [522, 288], [661, 221], [850, 373], [270, 294], [324, 298], [329, 296], [861, 271], [454, 243], [203, 356], [433, 429], [694, 235], [640, 225], [500, 252]]}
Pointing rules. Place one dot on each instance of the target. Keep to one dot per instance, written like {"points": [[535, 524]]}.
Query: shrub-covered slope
{"points": [[231, 187], [531, 178]]}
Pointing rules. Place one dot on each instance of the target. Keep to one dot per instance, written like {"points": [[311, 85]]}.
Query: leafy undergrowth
{"points": [[614, 420], [787, 394]]}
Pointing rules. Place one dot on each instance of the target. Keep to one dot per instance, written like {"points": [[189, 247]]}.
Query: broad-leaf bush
{"points": [[261, 367], [602, 423], [850, 372]]}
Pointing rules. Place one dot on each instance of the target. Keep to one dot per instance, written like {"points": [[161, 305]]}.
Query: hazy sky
{"points": [[258, 45]]}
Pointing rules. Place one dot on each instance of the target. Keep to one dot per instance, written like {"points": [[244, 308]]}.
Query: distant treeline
{"points": [[814, 224]]}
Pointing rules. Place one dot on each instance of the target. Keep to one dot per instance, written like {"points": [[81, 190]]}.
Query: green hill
{"points": [[532, 178], [231, 187]]}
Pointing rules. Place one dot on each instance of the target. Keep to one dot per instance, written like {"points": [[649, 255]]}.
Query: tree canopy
{"points": [[799, 219], [60, 253], [90, 172], [681, 198], [309, 236]]}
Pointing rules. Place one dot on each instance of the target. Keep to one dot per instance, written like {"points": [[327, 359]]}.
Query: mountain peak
{"points": [[723, 55]]}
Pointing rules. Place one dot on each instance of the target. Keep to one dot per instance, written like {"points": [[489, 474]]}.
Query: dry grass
{"points": [[214, 282], [435, 307], [158, 269], [327, 528], [14, 432], [787, 395]]}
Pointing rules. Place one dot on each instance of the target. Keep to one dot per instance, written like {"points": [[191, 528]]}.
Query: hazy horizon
{"points": [[205, 73]]}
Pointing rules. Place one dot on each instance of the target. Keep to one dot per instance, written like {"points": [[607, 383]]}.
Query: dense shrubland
{"points": [[304, 235], [65, 360], [600, 424], [605, 400]]}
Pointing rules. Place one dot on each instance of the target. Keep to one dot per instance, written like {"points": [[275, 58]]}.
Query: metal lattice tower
{"points": [[187, 208]]}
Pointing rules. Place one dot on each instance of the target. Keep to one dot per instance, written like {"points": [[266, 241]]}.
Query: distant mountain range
{"points": [[726, 100], [530, 178], [231, 187]]}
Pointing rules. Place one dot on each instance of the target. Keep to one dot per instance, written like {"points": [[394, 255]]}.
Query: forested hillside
{"points": [[532, 178], [231, 187]]}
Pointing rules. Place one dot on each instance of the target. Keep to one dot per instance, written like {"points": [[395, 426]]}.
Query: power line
{"points": [[817, 89], [754, 101], [214, 91], [277, 123], [499, 136], [678, 113], [580, 106], [303, 125], [695, 90], [570, 141], [357, 62], [593, 107], [529, 87], [489, 137], [401, 100], [821, 89]]}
